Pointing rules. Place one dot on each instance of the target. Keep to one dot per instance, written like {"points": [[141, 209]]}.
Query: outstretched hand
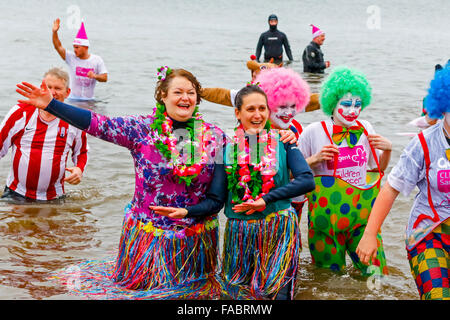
{"points": [[38, 97], [250, 206], [171, 212]]}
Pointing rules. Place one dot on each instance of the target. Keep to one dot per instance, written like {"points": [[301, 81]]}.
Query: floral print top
{"points": [[155, 183]]}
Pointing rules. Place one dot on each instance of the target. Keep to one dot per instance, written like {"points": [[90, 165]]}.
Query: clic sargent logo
{"points": [[443, 175]]}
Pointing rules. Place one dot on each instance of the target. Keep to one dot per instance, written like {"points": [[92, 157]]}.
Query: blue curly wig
{"points": [[437, 101]]}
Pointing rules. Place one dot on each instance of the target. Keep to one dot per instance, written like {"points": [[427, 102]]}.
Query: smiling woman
{"points": [[251, 109], [180, 93], [174, 207], [262, 229]]}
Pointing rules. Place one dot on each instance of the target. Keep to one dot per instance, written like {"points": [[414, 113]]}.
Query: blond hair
{"points": [[60, 74]]}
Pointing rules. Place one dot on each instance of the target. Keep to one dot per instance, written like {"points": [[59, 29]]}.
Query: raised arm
{"points": [[313, 103], [217, 95], [56, 42], [120, 131]]}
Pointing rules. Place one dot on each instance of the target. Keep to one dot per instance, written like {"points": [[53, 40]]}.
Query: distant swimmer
{"points": [[312, 55], [273, 41], [85, 68]]}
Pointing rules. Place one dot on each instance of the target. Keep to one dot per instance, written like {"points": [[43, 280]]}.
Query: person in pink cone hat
{"points": [[312, 57], [85, 69]]}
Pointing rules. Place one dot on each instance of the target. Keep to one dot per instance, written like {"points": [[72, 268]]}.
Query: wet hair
{"points": [[60, 74], [341, 81], [245, 91], [437, 100], [162, 86]]}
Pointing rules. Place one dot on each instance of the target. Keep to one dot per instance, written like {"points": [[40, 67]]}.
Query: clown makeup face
{"points": [[282, 117], [347, 110]]}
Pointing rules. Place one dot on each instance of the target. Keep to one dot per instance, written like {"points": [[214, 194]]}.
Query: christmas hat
{"points": [[81, 39], [316, 31]]}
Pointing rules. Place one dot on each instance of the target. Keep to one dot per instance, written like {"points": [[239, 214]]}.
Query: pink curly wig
{"points": [[282, 86]]}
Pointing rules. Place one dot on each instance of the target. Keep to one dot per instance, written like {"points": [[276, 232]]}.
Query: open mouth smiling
{"points": [[285, 119]]}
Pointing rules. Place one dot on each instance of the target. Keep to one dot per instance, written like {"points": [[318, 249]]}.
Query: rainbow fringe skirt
{"points": [[152, 263]]}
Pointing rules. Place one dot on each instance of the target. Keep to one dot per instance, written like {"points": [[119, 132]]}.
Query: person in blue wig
{"points": [[424, 121], [424, 163]]}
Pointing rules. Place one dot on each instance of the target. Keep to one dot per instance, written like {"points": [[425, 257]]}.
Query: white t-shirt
{"points": [[353, 162], [410, 171], [82, 87]]}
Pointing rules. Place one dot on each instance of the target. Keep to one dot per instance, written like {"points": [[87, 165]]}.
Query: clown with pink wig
{"points": [[287, 94]]}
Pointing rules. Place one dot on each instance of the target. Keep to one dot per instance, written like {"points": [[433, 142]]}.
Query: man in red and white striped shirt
{"points": [[40, 145]]}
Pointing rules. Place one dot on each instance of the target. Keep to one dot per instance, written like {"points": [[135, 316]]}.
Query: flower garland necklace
{"points": [[167, 144], [252, 181]]}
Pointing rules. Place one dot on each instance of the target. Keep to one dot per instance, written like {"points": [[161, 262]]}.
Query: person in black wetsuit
{"points": [[312, 57], [273, 41]]}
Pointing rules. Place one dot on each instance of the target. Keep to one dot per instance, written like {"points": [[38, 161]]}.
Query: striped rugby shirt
{"points": [[39, 152]]}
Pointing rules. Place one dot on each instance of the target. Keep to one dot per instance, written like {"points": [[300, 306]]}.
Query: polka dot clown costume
{"points": [[346, 188]]}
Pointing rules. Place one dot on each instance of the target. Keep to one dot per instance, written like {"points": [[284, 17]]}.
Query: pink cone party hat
{"points": [[81, 39], [316, 31]]}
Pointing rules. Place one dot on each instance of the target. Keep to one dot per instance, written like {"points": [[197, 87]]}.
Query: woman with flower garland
{"points": [[261, 242], [424, 163], [169, 243], [287, 95], [341, 151]]}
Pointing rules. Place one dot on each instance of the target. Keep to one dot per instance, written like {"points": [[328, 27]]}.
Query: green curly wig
{"points": [[340, 82]]}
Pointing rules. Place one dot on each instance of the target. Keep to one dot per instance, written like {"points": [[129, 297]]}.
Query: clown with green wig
{"points": [[347, 158]]}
